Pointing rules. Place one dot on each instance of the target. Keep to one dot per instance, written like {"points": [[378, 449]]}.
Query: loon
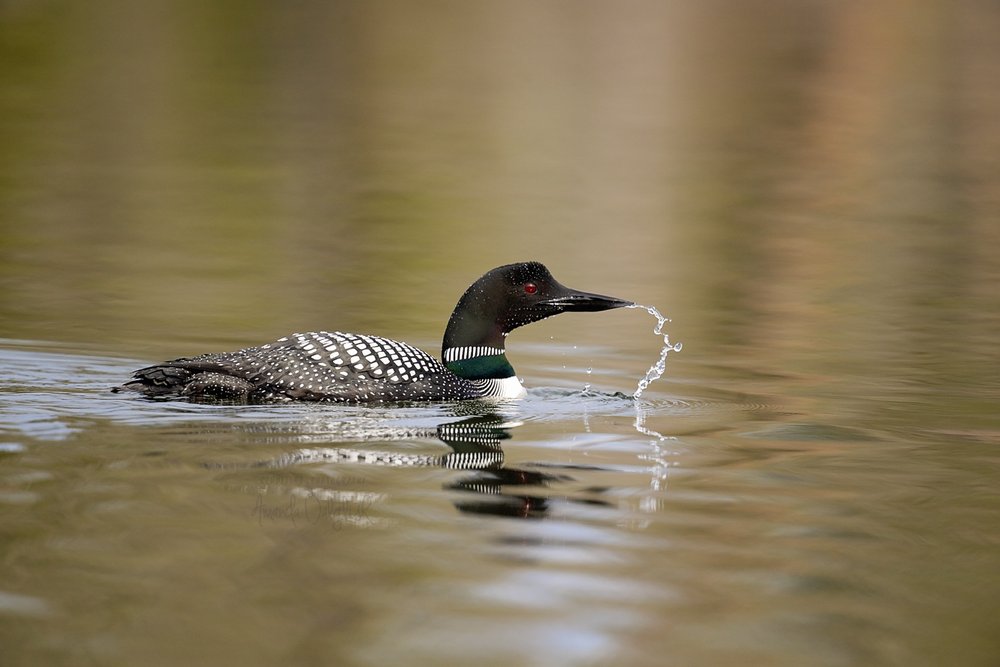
{"points": [[355, 368]]}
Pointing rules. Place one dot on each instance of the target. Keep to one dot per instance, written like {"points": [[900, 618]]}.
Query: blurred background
{"points": [[779, 177]]}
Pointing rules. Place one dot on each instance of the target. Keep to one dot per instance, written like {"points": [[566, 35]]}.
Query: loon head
{"points": [[508, 297]]}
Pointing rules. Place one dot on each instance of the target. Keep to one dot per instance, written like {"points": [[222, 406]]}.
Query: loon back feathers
{"points": [[345, 367], [328, 366]]}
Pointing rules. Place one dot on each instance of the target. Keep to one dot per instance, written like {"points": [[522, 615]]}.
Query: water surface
{"points": [[808, 189]]}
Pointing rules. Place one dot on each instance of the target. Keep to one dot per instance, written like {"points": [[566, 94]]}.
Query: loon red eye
{"points": [[530, 288]]}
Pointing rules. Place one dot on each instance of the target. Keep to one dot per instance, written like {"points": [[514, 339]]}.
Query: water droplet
{"points": [[656, 370], [589, 370]]}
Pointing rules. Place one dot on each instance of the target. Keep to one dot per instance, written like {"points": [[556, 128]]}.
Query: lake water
{"points": [[809, 190]]}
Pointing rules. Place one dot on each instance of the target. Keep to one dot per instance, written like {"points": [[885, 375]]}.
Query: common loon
{"points": [[354, 368]]}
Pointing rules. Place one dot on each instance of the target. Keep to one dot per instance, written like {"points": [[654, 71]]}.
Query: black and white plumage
{"points": [[355, 368], [316, 366]]}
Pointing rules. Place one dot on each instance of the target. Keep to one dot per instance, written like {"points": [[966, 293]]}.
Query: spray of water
{"points": [[656, 370]]}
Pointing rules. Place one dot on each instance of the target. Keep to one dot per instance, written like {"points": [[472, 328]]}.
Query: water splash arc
{"points": [[657, 369]]}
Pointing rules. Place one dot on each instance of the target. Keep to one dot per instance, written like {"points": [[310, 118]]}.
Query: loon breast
{"points": [[505, 388], [317, 366]]}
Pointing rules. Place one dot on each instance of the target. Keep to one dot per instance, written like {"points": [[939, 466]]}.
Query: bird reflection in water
{"points": [[490, 488], [495, 490]]}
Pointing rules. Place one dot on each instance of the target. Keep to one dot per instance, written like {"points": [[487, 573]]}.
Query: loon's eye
{"points": [[530, 288]]}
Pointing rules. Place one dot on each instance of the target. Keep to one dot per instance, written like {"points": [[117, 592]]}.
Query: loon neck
{"points": [[478, 362], [473, 346]]}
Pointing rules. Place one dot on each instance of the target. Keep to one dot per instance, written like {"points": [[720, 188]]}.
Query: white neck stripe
{"points": [[462, 353]]}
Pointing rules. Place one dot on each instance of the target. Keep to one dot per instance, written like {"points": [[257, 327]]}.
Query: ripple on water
{"points": [[22, 605]]}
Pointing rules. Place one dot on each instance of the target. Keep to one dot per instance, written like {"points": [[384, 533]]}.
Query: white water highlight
{"points": [[657, 369]]}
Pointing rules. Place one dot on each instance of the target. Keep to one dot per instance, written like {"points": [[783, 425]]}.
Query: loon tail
{"points": [[187, 378]]}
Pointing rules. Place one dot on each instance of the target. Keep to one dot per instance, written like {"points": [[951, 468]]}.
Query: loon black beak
{"points": [[573, 301]]}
